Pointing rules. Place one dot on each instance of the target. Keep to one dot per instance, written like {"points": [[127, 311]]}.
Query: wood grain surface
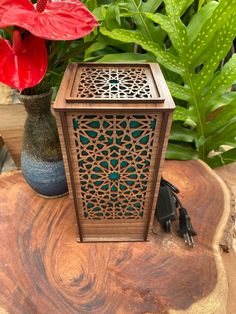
{"points": [[44, 270]]}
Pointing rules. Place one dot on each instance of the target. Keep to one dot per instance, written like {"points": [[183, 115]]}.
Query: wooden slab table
{"points": [[44, 270]]}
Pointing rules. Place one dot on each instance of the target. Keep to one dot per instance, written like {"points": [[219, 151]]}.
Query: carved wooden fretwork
{"points": [[114, 155], [113, 83]]}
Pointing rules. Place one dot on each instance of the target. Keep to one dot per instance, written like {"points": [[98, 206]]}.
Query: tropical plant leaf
{"points": [[167, 59], [205, 37], [91, 4], [199, 19], [180, 92], [222, 159], [175, 29], [224, 116], [183, 114], [136, 8], [177, 7], [194, 51], [224, 135], [223, 39], [127, 57], [182, 152], [222, 81], [181, 133]]}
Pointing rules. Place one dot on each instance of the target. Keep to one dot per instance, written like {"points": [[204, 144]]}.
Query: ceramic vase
{"points": [[41, 159]]}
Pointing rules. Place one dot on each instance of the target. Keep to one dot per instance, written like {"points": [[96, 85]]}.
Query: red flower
{"points": [[23, 64], [55, 20]]}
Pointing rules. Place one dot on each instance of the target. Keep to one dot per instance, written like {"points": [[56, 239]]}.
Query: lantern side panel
{"points": [[113, 162]]}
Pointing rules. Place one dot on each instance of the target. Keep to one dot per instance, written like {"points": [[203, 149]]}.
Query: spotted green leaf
{"points": [[167, 59], [206, 35], [179, 91]]}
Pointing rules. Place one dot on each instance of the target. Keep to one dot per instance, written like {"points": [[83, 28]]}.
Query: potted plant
{"points": [[38, 41]]}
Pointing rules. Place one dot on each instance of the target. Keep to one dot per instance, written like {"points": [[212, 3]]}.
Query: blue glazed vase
{"points": [[41, 158]]}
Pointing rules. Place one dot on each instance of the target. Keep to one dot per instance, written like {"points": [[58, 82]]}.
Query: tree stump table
{"points": [[44, 270]]}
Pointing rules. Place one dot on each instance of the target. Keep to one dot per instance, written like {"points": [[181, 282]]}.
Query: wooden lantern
{"points": [[114, 121]]}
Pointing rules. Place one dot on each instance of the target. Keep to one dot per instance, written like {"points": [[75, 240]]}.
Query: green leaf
{"points": [[182, 114], [96, 46], [150, 5], [181, 152], [223, 80], [206, 36], [223, 158], [143, 25], [127, 57], [175, 29], [91, 4], [221, 101], [180, 133], [224, 135], [200, 4], [180, 92], [220, 47], [224, 116], [177, 7], [100, 12], [199, 19], [112, 19], [167, 59]]}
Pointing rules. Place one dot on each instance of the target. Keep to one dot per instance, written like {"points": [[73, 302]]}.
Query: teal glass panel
{"points": [[113, 188], [97, 169], [104, 164], [118, 141], [95, 176], [94, 124], [101, 138], [153, 124], [114, 176], [123, 124], [75, 124], [84, 153], [144, 140], [114, 162], [131, 169], [124, 164], [98, 183], [134, 124], [84, 140], [92, 134], [137, 133], [105, 124], [105, 152], [105, 187]]}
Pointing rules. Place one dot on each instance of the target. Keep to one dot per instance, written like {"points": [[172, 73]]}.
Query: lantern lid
{"points": [[114, 85]]}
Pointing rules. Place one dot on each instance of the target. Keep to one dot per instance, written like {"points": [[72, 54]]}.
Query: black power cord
{"points": [[166, 212]]}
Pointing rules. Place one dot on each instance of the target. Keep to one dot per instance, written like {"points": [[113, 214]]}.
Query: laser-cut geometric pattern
{"points": [[113, 83], [114, 155]]}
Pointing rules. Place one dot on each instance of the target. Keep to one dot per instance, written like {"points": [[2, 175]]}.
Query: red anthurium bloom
{"points": [[54, 20], [23, 64]]}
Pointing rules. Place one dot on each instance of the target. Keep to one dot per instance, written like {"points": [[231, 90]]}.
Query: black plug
{"points": [[166, 208], [185, 227]]}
